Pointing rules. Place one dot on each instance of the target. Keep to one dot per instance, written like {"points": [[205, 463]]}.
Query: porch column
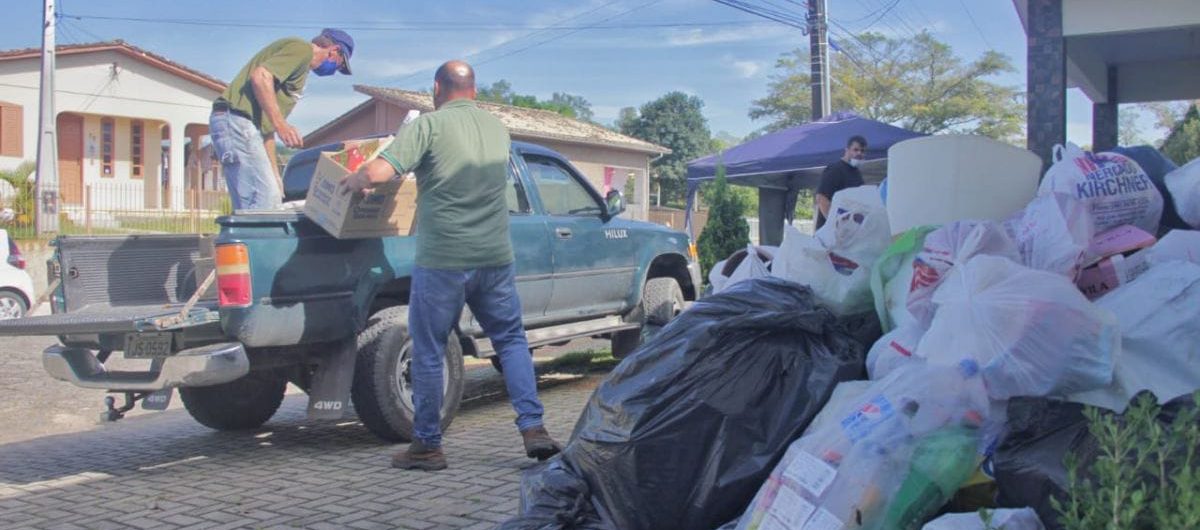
{"points": [[1047, 80], [178, 170], [1105, 117]]}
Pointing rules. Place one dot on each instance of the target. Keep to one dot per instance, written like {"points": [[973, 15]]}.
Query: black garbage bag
{"points": [[684, 431], [554, 497], [1030, 462]]}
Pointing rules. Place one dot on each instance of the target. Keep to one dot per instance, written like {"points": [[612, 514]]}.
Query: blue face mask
{"points": [[327, 67]]}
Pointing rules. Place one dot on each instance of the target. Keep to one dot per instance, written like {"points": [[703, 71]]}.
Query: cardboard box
{"points": [[389, 210]]}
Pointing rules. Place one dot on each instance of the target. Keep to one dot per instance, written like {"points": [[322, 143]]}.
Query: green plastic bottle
{"points": [[942, 462]]}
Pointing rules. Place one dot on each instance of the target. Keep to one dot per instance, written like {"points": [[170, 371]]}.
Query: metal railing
{"points": [[111, 208]]}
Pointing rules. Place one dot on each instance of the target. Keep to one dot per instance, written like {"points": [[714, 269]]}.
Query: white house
{"points": [[125, 117]]}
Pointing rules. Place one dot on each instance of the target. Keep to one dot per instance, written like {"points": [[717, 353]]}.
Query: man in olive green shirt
{"points": [[459, 154], [254, 108]]}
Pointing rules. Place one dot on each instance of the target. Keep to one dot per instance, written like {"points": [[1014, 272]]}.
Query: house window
{"points": [[136, 147], [107, 132], [11, 130]]}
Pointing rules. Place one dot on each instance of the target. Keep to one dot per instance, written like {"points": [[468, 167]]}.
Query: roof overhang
{"points": [[1153, 46]]}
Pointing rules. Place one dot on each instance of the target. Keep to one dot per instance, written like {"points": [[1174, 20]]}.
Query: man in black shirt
{"points": [[840, 175]]}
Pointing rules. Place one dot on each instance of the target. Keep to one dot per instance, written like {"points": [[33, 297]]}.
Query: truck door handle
{"points": [[563, 233]]}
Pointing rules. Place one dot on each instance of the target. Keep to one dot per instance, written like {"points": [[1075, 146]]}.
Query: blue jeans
{"points": [[434, 306], [248, 171]]}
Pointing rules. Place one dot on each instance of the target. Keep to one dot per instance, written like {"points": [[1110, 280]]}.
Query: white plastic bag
{"points": [[1159, 314], [1052, 234], [1002, 519], [853, 469], [836, 263], [1177, 245], [1033, 332], [1114, 188], [947, 246], [857, 228], [1184, 185], [894, 350], [752, 266]]}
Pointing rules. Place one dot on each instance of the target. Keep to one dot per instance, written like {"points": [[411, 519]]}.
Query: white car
{"points": [[16, 286]]}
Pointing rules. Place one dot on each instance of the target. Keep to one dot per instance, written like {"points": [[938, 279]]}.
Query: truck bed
{"points": [[119, 283]]}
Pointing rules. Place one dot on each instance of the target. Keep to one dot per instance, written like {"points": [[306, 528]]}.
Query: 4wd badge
{"points": [[616, 233]]}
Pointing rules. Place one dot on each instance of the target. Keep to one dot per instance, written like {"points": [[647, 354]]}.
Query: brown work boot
{"points": [[539, 444], [420, 456]]}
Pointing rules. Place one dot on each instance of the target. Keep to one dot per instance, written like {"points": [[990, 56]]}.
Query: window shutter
{"points": [[11, 138]]}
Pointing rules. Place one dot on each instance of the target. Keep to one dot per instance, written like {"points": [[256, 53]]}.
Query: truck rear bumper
{"points": [[204, 366]]}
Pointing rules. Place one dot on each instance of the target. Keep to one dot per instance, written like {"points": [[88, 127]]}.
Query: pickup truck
{"points": [[290, 303]]}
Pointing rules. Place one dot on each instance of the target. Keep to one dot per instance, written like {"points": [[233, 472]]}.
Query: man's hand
{"points": [[368, 175], [355, 182], [290, 135]]}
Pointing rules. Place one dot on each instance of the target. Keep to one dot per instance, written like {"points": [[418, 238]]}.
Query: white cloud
{"points": [[747, 69], [393, 67], [703, 37]]}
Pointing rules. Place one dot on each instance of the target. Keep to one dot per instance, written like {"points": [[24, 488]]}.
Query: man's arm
{"points": [[263, 82], [825, 190], [823, 205]]}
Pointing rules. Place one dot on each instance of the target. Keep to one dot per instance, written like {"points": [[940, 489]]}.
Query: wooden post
{"points": [[87, 208]]}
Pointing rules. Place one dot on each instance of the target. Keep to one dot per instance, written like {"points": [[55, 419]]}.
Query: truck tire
{"points": [[662, 300], [244, 403], [382, 391]]}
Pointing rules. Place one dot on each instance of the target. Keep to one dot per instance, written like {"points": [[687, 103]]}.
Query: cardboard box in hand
{"points": [[388, 210]]}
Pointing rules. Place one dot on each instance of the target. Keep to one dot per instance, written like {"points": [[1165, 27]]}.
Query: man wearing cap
{"points": [[254, 108]]}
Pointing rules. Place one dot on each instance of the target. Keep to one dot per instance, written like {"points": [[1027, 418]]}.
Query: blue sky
{"points": [[720, 54]]}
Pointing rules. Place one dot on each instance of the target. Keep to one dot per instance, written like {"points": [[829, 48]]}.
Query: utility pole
{"points": [[818, 42], [46, 187]]}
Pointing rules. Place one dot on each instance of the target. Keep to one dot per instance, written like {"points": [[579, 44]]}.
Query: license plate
{"points": [[148, 345]]}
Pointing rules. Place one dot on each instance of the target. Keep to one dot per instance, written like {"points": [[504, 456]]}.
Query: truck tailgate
{"points": [[100, 319]]}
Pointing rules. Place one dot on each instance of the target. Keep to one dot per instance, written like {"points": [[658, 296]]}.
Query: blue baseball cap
{"points": [[343, 40]]}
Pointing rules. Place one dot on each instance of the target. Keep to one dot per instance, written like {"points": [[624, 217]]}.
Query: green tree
{"points": [[568, 105], [625, 119], [917, 83], [1183, 144], [674, 121], [726, 231], [580, 106]]}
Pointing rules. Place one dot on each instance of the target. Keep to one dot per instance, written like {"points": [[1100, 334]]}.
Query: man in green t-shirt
{"points": [[459, 154], [254, 108]]}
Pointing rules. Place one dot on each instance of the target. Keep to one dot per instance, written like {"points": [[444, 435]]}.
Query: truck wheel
{"points": [[382, 391], [244, 403], [662, 300]]}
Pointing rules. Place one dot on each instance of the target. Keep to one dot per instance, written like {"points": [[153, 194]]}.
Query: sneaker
{"points": [[539, 444], [420, 456]]}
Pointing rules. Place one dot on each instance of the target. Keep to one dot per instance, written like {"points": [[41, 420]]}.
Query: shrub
{"points": [[726, 231]]}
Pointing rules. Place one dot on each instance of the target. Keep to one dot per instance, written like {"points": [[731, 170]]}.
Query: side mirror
{"points": [[615, 202]]}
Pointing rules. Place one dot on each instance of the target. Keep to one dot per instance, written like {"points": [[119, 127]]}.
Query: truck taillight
{"points": [[692, 252], [233, 275]]}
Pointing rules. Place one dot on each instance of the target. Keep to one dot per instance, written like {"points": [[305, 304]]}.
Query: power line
{"points": [[569, 33], [573, 17], [410, 26], [758, 11], [976, 24]]}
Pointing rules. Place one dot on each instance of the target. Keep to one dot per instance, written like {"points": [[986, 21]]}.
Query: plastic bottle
{"points": [[941, 463]]}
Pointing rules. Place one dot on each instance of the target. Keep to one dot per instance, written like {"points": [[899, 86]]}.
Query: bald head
{"points": [[453, 80]]}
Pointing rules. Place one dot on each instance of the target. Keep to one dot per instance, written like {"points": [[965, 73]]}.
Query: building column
{"points": [[1047, 79], [178, 171], [1105, 117]]}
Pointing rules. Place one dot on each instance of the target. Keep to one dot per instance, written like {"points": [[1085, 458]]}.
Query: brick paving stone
{"points": [[166, 471]]}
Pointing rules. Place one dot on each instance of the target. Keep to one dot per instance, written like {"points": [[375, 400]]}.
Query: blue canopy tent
{"points": [[782, 163]]}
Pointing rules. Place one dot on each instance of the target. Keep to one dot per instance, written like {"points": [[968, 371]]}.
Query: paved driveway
{"points": [[163, 470]]}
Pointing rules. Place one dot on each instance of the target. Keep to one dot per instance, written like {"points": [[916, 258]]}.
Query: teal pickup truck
{"points": [[230, 319]]}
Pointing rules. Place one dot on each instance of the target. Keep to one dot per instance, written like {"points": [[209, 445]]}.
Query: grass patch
{"points": [[582, 361]]}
